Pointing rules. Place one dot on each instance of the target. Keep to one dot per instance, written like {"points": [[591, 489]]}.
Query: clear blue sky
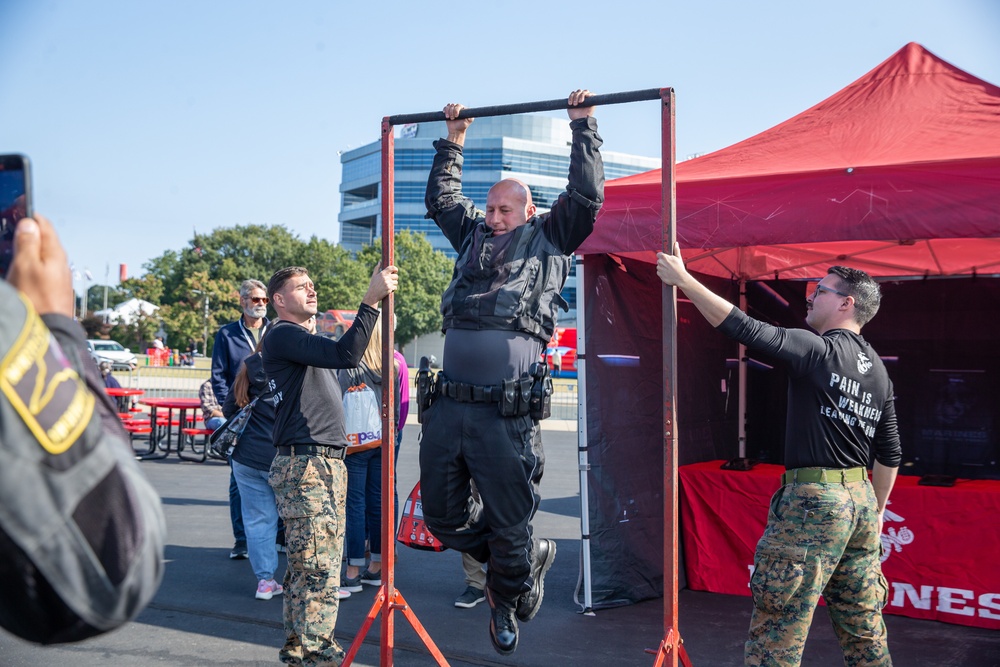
{"points": [[146, 120]]}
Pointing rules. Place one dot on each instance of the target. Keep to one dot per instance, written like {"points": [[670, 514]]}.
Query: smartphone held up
{"points": [[15, 203]]}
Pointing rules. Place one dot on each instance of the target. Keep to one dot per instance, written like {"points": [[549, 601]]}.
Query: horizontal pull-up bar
{"points": [[530, 107]]}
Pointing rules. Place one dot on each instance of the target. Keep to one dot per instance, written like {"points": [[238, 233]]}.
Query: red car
{"points": [[560, 354], [335, 322]]}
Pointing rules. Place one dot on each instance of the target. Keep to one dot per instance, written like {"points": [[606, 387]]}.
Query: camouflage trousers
{"points": [[821, 539], [310, 492]]}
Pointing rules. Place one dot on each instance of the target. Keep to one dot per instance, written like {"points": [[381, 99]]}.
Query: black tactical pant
{"points": [[472, 441]]}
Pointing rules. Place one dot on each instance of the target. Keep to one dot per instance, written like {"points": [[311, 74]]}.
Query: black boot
{"points": [[541, 560], [503, 626]]}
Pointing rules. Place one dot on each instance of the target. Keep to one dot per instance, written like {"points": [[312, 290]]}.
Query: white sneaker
{"points": [[343, 593], [268, 588]]}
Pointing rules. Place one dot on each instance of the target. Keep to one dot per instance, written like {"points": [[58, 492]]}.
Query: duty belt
{"points": [[470, 393], [820, 475], [312, 450]]}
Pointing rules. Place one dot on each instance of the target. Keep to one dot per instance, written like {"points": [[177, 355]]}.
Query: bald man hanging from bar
{"points": [[499, 311]]}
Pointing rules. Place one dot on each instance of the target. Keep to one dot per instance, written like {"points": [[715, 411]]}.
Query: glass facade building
{"points": [[532, 148]]}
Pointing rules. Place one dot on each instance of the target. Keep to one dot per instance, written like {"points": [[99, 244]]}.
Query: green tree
{"points": [[424, 273], [95, 297], [231, 254], [340, 279], [241, 252], [204, 305], [95, 326], [214, 265], [149, 288], [166, 269], [138, 335]]}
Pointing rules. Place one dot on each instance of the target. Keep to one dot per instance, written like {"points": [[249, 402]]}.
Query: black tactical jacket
{"points": [[516, 290]]}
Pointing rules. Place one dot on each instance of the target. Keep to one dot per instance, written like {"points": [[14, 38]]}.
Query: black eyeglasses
{"points": [[258, 299], [824, 288]]}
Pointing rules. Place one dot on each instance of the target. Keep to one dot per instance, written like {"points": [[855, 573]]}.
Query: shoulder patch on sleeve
{"points": [[48, 393]]}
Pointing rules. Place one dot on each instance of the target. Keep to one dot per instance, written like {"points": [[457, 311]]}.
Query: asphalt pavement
{"points": [[205, 612]]}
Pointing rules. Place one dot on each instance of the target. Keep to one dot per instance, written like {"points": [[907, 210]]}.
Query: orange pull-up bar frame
{"points": [[389, 599]]}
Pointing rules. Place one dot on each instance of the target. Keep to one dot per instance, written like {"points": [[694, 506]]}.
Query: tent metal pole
{"points": [[581, 441], [742, 399]]}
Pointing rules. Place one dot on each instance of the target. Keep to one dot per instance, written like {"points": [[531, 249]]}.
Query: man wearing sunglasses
{"points": [[825, 521], [233, 343]]}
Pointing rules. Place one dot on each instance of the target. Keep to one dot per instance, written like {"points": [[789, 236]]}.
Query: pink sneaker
{"points": [[268, 588], [343, 593]]}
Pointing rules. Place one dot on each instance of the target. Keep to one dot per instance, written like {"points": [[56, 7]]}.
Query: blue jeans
{"points": [[214, 422], [364, 506], [260, 514], [235, 507]]}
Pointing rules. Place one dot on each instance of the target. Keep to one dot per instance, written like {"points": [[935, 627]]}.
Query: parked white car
{"points": [[120, 358]]}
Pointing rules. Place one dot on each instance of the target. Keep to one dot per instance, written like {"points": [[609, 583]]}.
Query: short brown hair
{"points": [[281, 277], [866, 292]]}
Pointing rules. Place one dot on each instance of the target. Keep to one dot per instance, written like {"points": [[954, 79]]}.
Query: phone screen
{"points": [[15, 203]]}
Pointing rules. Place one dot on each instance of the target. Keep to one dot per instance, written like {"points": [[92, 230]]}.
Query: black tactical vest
{"points": [[519, 292]]}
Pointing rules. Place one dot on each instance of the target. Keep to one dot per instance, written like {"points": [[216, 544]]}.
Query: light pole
{"points": [[77, 276], [204, 343], [86, 294], [107, 274], [204, 348]]}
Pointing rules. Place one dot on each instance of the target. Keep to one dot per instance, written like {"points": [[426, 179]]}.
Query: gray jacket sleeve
{"points": [[81, 528], [455, 214]]}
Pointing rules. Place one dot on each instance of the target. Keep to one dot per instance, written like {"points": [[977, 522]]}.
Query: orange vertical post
{"points": [[388, 599], [671, 648]]}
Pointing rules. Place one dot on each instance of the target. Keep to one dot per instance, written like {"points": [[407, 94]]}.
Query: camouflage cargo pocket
{"points": [[779, 569], [815, 512], [311, 543], [301, 487], [883, 590]]}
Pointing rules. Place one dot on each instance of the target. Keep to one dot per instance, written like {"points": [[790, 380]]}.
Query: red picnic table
{"points": [[182, 405], [122, 396]]}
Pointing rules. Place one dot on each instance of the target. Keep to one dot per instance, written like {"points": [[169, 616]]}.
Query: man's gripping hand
{"points": [[384, 282], [575, 98], [456, 126]]}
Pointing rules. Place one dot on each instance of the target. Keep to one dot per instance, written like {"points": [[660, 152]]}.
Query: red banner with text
{"points": [[940, 543]]}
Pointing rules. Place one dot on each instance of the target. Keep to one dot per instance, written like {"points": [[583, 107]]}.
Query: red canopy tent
{"points": [[897, 174], [900, 170]]}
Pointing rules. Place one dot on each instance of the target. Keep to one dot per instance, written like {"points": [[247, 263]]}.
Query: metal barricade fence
{"points": [[169, 381], [185, 381], [564, 399]]}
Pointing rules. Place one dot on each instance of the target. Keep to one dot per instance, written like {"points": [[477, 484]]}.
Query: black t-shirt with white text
{"points": [[301, 371], [841, 411]]}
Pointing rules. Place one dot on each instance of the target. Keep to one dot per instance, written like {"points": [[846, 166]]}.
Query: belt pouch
{"points": [[508, 398], [541, 398], [524, 394]]}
